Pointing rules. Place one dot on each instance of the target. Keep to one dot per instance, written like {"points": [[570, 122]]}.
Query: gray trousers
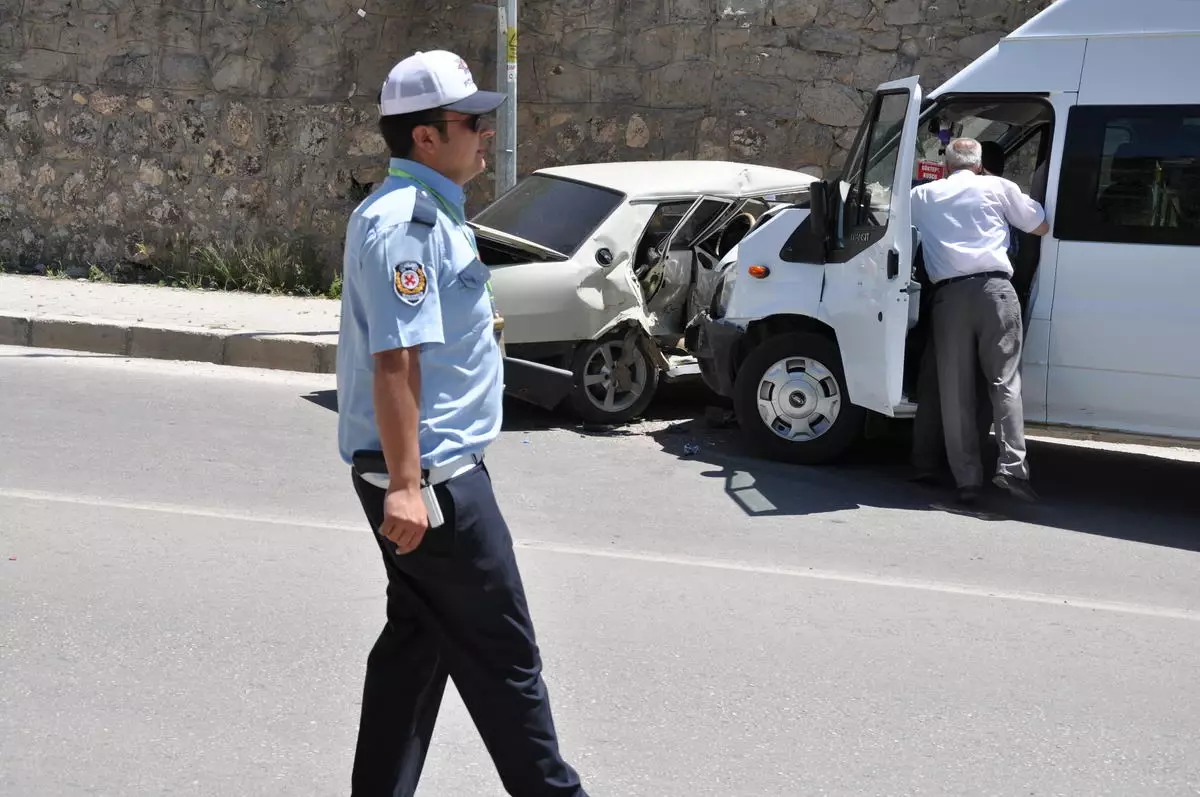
{"points": [[977, 324], [929, 439]]}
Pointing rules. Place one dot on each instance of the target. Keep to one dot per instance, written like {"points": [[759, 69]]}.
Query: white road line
{"points": [[869, 580], [173, 509], [649, 557]]}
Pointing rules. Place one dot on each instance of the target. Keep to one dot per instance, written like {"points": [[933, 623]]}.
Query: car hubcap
{"points": [[611, 383], [799, 399]]}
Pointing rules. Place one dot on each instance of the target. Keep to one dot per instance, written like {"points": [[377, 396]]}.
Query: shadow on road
{"points": [[1136, 497], [675, 402], [326, 399], [873, 476]]}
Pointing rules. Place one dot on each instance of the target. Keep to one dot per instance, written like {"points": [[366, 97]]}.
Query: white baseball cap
{"points": [[436, 79]]}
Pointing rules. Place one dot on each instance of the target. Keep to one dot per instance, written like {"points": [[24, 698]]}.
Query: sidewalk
{"points": [[225, 328]]}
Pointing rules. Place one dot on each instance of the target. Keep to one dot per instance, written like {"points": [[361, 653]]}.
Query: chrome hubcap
{"points": [[799, 399]]}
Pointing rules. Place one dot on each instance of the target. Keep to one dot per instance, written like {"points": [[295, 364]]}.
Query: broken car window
{"points": [[550, 211]]}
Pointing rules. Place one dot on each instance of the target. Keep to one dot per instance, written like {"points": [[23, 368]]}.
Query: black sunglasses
{"points": [[475, 122]]}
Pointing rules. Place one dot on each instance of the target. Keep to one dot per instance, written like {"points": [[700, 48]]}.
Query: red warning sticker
{"points": [[930, 170]]}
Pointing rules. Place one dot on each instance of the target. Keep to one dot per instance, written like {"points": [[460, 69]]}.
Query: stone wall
{"points": [[129, 122]]}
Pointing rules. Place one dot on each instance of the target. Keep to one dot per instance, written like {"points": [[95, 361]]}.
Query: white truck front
{"points": [[807, 334]]}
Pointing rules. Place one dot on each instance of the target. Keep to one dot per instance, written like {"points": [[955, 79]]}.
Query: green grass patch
{"points": [[293, 267]]}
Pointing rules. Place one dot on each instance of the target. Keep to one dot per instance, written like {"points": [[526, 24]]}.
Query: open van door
{"points": [[868, 266]]}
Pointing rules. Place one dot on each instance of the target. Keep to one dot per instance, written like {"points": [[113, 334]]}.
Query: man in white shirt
{"points": [[964, 224]]}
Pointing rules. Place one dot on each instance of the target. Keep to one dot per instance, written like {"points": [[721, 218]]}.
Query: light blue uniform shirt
{"points": [[411, 278]]}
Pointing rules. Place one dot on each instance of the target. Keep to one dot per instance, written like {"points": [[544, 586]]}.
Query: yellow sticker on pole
{"points": [[511, 39]]}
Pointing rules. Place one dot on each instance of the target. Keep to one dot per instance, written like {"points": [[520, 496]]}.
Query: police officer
{"points": [[420, 383]]}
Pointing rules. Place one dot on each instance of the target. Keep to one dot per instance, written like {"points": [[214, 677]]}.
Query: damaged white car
{"points": [[598, 269]]}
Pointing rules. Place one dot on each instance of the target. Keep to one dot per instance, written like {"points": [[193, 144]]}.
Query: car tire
{"points": [[785, 377], [587, 400]]}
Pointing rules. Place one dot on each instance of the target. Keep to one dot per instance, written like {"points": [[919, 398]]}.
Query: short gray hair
{"points": [[964, 153]]}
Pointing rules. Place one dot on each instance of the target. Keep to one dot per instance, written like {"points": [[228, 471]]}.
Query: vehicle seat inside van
{"points": [[1028, 254], [1126, 200]]}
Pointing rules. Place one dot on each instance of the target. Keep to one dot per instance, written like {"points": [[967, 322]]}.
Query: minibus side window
{"points": [[1131, 174]]}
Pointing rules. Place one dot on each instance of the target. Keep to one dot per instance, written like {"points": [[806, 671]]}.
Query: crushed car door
{"points": [[667, 283], [867, 279]]}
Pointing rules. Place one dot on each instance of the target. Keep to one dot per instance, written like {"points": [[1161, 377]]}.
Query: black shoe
{"points": [[1017, 488], [968, 495]]}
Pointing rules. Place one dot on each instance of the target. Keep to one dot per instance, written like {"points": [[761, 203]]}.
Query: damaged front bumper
{"points": [[716, 346]]}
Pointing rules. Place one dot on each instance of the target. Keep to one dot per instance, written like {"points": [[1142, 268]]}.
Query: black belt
{"points": [[985, 274]]}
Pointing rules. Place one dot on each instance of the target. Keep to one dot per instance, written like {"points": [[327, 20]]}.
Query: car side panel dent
{"points": [[610, 288], [634, 316], [608, 297], [608, 294], [635, 320]]}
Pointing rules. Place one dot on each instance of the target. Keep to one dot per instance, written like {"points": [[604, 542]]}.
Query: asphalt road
{"points": [[189, 593]]}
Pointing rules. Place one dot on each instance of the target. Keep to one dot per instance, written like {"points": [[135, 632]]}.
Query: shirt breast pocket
{"points": [[469, 296], [469, 273], [474, 275]]}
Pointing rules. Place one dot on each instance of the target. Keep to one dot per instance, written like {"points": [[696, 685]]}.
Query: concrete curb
{"points": [[222, 347]]}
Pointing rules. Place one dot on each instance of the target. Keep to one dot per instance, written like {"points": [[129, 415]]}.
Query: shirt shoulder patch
{"points": [[410, 282]]}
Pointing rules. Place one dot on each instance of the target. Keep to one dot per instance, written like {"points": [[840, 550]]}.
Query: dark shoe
{"points": [[968, 495], [1017, 488]]}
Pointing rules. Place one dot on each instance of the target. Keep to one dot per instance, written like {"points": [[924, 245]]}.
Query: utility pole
{"points": [[506, 76]]}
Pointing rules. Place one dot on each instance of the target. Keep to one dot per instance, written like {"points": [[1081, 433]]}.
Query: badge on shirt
{"points": [[410, 283]]}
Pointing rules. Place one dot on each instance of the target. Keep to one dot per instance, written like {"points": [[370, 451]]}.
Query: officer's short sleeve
{"points": [[399, 285]]}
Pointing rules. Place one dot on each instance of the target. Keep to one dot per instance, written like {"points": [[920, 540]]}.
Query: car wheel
{"points": [[614, 380], [791, 402]]}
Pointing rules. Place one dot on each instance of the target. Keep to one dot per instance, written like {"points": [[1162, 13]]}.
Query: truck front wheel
{"points": [[791, 400]]}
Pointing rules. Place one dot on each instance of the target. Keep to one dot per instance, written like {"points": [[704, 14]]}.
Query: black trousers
{"points": [[456, 607]]}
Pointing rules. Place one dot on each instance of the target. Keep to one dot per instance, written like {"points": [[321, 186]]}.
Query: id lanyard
{"points": [[458, 220]]}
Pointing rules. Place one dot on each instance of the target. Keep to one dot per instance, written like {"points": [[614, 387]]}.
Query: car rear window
{"points": [[550, 211]]}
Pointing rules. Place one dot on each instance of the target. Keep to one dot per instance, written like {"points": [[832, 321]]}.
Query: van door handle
{"points": [[893, 264]]}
